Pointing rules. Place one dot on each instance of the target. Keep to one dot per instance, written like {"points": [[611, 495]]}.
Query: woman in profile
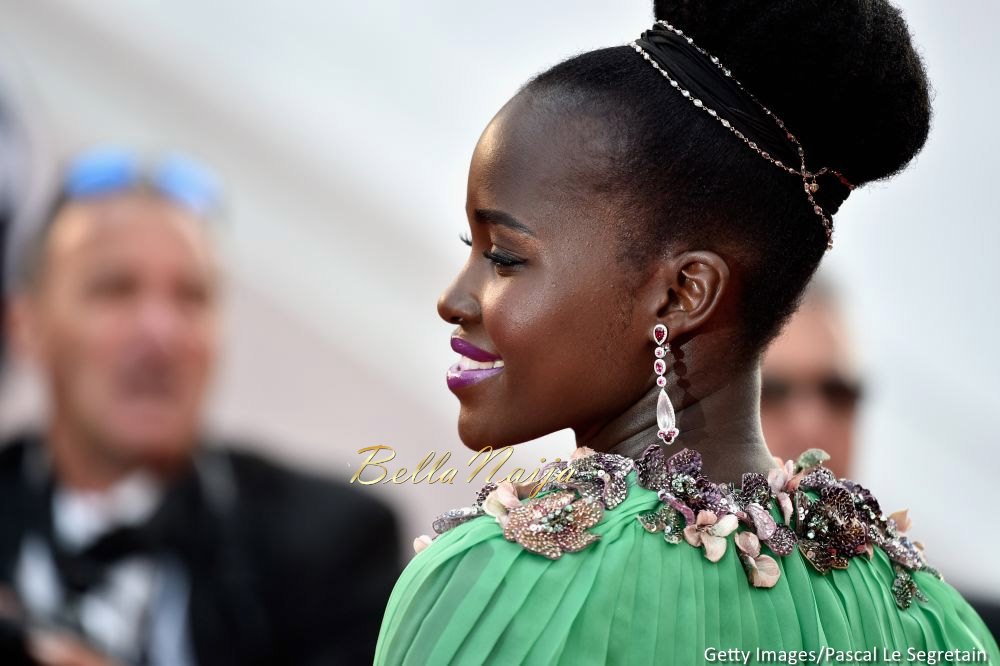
{"points": [[642, 221]]}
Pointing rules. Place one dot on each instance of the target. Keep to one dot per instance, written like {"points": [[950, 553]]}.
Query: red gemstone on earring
{"points": [[659, 334], [661, 381], [668, 435], [659, 352], [659, 366]]}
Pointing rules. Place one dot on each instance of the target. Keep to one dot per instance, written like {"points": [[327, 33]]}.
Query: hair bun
{"points": [[843, 76]]}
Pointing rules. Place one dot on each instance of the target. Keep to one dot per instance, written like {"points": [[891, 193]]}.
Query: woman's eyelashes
{"points": [[501, 259]]}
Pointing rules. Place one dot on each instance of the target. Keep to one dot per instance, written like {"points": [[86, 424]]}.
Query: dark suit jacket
{"points": [[285, 567]]}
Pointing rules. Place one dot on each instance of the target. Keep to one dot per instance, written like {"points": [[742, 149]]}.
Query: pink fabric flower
{"points": [[783, 478], [421, 542], [783, 482], [582, 452], [501, 500], [901, 520], [711, 531], [777, 477], [762, 570]]}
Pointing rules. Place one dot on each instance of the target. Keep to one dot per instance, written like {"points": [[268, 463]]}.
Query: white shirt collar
{"points": [[81, 517]]}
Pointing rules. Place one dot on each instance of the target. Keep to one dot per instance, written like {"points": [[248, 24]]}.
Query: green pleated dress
{"points": [[472, 597]]}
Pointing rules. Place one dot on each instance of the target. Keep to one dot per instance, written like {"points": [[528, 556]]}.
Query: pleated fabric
{"points": [[471, 597]]}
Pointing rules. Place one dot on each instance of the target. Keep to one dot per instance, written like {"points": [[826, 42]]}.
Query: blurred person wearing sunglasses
{"points": [[811, 385], [123, 537], [811, 392]]}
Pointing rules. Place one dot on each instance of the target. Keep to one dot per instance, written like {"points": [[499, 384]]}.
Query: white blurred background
{"points": [[343, 132]]}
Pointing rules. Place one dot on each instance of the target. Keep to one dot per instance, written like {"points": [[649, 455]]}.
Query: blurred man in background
{"points": [[811, 392], [123, 537], [12, 167], [811, 384]]}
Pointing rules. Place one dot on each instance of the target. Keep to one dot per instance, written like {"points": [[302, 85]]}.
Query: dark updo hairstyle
{"points": [[842, 74]]}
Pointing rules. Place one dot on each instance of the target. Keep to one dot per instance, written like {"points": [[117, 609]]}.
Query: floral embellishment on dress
{"points": [[500, 500], [455, 517], [900, 520], [904, 589], [783, 481], [666, 519], [900, 549], [782, 541], [421, 542], [753, 498], [754, 501], [811, 458], [596, 476], [829, 530], [908, 553], [762, 570], [553, 524], [711, 531], [684, 486], [798, 505]]}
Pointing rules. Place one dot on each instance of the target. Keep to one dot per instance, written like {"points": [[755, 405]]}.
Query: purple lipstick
{"points": [[473, 366]]}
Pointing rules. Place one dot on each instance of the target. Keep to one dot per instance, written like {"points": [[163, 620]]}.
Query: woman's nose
{"points": [[457, 304]]}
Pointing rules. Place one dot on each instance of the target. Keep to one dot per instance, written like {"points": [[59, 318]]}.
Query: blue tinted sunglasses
{"points": [[107, 170]]}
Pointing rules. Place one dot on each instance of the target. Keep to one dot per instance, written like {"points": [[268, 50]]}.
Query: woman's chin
{"points": [[473, 433], [477, 432]]}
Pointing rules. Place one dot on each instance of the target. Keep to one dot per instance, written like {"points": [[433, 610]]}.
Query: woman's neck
{"points": [[722, 424]]}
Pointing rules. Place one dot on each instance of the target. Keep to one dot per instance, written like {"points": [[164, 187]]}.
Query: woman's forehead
{"points": [[532, 151]]}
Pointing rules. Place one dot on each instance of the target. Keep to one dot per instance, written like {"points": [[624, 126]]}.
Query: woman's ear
{"points": [[687, 290]]}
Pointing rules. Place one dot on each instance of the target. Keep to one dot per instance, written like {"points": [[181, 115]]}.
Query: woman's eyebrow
{"points": [[490, 216]]}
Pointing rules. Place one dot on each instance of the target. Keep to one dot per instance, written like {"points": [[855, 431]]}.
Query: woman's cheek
{"points": [[512, 316]]}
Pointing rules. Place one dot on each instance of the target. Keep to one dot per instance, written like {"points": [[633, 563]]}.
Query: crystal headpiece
{"points": [[713, 89]]}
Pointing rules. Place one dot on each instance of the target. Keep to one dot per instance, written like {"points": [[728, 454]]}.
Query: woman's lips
{"points": [[466, 348], [473, 366]]}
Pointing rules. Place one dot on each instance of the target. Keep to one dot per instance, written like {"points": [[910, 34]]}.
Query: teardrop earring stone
{"points": [[665, 417]]}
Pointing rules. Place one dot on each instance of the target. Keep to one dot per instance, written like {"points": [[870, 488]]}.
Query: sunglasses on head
{"points": [[108, 170], [836, 392]]}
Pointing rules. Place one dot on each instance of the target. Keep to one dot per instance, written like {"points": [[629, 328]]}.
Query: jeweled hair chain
{"points": [[808, 177]]}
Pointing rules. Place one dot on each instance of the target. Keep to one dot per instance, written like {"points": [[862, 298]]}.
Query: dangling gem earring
{"points": [[666, 420]]}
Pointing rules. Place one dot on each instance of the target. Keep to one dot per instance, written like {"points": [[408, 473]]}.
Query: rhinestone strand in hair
{"points": [[809, 183]]}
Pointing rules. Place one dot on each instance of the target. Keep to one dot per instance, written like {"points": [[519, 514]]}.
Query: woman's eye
{"points": [[502, 259]]}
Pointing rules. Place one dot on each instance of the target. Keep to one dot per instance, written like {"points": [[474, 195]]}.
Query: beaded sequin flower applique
{"points": [[828, 520], [842, 522], [578, 492], [554, 524]]}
